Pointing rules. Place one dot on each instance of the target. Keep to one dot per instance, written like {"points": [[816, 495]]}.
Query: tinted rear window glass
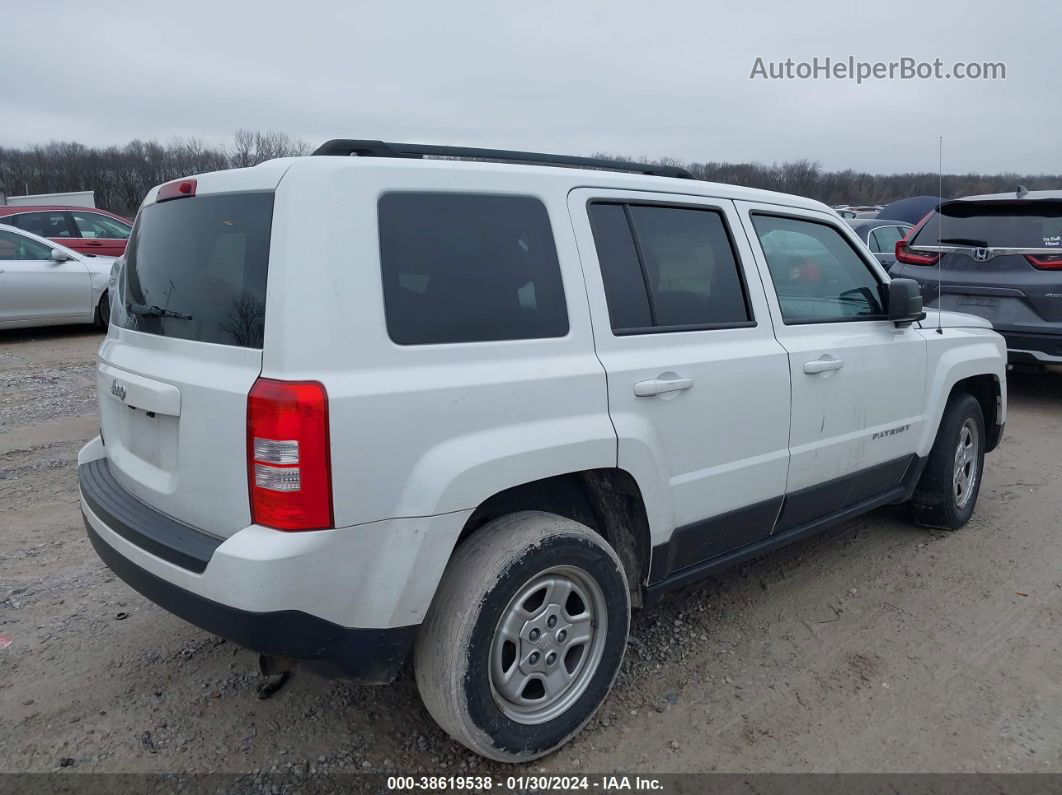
{"points": [[460, 267], [202, 260], [1032, 224], [667, 268], [621, 272], [691, 268]]}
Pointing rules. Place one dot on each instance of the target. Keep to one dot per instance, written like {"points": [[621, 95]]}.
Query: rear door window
{"points": [[196, 268], [621, 271], [667, 268], [464, 267]]}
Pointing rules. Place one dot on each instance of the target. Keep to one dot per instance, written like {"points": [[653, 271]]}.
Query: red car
{"points": [[84, 229]]}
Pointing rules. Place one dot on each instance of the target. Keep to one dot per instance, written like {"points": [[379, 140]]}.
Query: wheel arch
{"points": [[607, 500], [973, 364], [987, 389]]}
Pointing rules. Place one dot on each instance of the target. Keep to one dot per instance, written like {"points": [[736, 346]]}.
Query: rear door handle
{"points": [[658, 386], [822, 365]]}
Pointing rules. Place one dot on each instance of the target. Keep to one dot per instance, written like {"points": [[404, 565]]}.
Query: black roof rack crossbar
{"points": [[346, 147]]}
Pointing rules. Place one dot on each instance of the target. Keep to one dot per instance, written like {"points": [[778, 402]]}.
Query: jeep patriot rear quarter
{"points": [[485, 408]]}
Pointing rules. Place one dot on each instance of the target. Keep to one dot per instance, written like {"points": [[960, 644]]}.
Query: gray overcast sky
{"points": [[647, 78]]}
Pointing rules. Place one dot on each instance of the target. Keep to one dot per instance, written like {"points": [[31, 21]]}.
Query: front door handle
{"points": [[822, 365], [658, 386]]}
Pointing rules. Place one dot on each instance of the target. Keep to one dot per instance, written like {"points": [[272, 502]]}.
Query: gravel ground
{"points": [[877, 647]]}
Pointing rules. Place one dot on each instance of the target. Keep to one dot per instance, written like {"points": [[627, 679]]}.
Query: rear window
{"points": [[195, 269], [461, 267], [1029, 224]]}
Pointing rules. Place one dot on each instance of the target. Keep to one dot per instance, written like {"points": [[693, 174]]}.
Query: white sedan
{"points": [[43, 283]]}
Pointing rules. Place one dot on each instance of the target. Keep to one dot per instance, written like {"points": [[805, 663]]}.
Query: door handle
{"points": [[822, 366], [657, 386], [93, 243]]}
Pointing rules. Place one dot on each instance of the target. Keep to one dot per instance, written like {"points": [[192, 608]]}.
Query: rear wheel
{"points": [[525, 636], [103, 311], [948, 489]]}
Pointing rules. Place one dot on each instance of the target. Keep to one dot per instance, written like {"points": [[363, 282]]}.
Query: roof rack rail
{"points": [[346, 147]]}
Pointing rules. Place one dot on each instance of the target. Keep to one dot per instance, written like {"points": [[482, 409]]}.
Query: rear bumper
{"points": [[249, 588], [1025, 348], [372, 656]]}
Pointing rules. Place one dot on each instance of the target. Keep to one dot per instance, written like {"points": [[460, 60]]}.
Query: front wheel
{"points": [[948, 489], [525, 636]]}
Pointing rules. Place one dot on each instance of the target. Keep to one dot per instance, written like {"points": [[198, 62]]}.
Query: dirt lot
{"points": [[879, 647]]}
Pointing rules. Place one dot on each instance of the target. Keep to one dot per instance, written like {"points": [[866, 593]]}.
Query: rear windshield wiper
{"points": [[156, 311]]}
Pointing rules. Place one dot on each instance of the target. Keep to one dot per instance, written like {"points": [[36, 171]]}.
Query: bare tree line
{"points": [[121, 175], [808, 178]]}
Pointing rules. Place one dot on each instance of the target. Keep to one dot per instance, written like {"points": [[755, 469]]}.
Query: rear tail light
{"points": [[1045, 262], [908, 257], [288, 463]]}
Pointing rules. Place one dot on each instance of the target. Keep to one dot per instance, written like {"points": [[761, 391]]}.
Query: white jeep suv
{"points": [[382, 402]]}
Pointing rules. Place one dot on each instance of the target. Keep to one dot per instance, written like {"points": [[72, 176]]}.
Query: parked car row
{"points": [[44, 283], [82, 229]]}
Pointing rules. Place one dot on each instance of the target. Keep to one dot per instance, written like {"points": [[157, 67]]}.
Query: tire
{"points": [[529, 560], [947, 491], [103, 311]]}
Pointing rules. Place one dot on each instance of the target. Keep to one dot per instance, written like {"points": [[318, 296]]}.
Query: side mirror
{"points": [[59, 256], [905, 302]]}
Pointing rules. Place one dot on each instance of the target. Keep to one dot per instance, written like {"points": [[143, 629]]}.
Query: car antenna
{"points": [[940, 229]]}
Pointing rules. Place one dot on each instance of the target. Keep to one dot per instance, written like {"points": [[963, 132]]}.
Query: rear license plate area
{"points": [[137, 438], [980, 305]]}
